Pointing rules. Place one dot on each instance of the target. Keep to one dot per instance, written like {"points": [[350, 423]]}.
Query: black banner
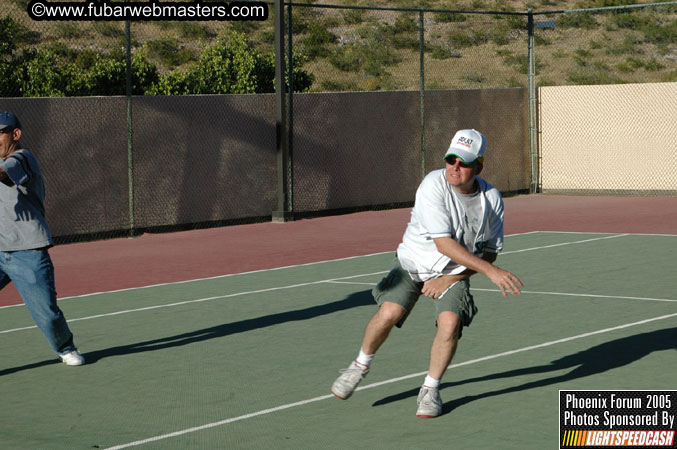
{"points": [[617, 419]]}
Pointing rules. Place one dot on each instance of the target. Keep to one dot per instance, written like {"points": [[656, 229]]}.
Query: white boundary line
{"points": [[649, 299], [594, 232], [332, 280], [304, 265], [563, 243], [351, 282], [566, 294], [205, 299], [209, 278], [381, 383]]}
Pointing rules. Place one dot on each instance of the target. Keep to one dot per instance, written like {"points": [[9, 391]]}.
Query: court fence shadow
{"points": [[357, 299], [595, 360]]}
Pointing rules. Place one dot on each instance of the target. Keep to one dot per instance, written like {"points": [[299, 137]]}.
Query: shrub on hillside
{"points": [[231, 66]]}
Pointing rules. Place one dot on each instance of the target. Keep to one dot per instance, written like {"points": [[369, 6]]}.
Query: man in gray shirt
{"points": [[25, 238], [456, 230]]}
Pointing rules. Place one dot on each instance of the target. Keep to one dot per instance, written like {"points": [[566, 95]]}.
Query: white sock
{"points": [[431, 382], [364, 359]]}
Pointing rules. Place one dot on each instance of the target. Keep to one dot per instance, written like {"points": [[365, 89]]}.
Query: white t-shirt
{"points": [[439, 212]]}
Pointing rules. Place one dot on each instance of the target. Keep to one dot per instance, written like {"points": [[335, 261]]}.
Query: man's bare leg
{"points": [[375, 334]]}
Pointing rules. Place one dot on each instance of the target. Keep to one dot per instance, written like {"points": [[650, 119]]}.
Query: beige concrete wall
{"points": [[609, 138]]}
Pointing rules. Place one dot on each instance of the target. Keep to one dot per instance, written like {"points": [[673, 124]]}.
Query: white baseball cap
{"points": [[468, 145]]}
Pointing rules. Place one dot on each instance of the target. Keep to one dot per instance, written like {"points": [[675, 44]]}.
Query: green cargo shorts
{"points": [[398, 287]]}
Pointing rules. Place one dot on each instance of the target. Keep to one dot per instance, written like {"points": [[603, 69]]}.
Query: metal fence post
{"points": [[130, 130], [533, 153], [281, 213], [290, 125], [421, 45]]}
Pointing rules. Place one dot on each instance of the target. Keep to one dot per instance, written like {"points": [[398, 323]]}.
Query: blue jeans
{"points": [[32, 273]]}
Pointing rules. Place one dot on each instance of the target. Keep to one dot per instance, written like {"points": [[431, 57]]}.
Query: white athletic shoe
{"points": [[73, 358], [429, 403], [345, 384]]}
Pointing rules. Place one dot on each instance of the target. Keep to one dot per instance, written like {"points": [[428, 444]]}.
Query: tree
{"points": [[231, 66]]}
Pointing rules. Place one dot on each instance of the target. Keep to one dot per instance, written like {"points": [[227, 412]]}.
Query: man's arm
{"points": [[435, 287], [505, 280], [4, 178]]}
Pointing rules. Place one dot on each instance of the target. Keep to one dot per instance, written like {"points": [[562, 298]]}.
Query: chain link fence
{"points": [[609, 74], [376, 93]]}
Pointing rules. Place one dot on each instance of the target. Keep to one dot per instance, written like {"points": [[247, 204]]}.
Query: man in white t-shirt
{"points": [[456, 230]]}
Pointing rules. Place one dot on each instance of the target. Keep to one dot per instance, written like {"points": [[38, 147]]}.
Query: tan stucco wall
{"points": [[610, 137]]}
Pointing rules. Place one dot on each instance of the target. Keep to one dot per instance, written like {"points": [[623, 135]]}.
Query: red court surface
{"points": [[161, 258]]}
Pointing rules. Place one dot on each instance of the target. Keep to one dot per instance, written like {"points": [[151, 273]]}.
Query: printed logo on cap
{"points": [[465, 141]]}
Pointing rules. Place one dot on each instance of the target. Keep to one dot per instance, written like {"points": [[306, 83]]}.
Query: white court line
{"points": [[186, 302], [209, 278], [586, 295], [567, 294], [524, 349], [564, 243], [350, 282], [630, 234], [296, 265], [381, 383], [199, 300]]}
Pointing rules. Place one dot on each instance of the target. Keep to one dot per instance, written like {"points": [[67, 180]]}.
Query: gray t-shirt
{"points": [[22, 211]]}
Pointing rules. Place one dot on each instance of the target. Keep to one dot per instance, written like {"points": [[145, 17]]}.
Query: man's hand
{"points": [[505, 280], [4, 178], [501, 278], [435, 287]]}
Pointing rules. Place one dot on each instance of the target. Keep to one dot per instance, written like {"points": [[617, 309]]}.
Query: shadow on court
{"points": [[595, 360], [357, 299]]}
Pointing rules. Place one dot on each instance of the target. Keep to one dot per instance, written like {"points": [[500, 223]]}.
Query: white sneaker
{"points": [[429, 403], [347, 382], [73, 358]]}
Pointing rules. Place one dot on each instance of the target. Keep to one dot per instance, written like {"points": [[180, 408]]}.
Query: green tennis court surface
{"points": [[246, 361]]}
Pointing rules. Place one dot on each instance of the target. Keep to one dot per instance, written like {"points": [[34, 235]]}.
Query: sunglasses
{"points": [[451, 160], [7, 130]]}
